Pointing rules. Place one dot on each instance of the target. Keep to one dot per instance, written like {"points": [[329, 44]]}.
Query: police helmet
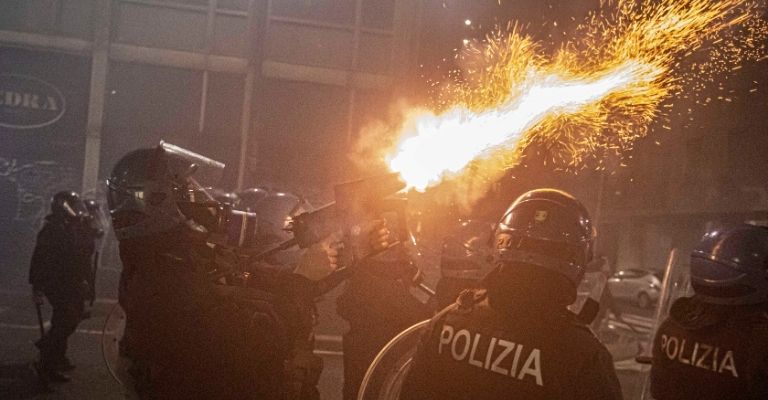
{"points": [[547, 228], [731, 266], [465, 253], [249, 198], [126, 194], [68, 205], [92, 205], [145, 190], [224, 197], [153, 191]]}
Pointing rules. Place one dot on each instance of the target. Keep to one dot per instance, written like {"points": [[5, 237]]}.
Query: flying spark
{"points": [[442, 148], [597, 93]]}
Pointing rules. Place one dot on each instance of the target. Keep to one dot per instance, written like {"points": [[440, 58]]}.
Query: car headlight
{"points": [[654, 286]]}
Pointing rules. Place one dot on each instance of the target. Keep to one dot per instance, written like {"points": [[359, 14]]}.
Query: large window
{"points": [[333, 11], [304, 131], [378, 14], [43, 113], [60, 17], [146, 104]]}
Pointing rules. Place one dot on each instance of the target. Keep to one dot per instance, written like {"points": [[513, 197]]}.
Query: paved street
{"points": [[91, 379], [19, 330]]}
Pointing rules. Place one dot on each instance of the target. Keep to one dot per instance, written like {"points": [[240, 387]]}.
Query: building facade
{"points": [[271, 88]]}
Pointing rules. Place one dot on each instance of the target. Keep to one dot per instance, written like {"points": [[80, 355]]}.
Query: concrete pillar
{"points": [[629, 254], [351, 90], [656, 246], [258, 26], [245, 126], [99, 68], [406, 41]]}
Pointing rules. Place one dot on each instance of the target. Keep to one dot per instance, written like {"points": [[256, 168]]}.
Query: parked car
{"points": [[637, 285]]}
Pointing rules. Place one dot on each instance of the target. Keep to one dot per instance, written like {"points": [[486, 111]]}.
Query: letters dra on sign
{"points": [[28, 102], [492, 354], [699, 355]]}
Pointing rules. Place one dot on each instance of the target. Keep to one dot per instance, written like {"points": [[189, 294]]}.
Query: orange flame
{"points": [[443, 146], [599, 92]]}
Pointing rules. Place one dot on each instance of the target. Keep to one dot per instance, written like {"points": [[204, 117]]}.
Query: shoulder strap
{"points": [[466, 301]]}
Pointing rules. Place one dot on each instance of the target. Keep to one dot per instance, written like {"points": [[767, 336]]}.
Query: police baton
{"points": [[40, 319], [94, 269]]}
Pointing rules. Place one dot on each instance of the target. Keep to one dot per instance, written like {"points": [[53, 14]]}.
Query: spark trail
{"points": [[599, 91]]}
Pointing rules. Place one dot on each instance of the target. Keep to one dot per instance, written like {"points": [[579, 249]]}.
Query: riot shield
{"points": [[591, 287], [388, 370], [111, 336], [676, 284]]}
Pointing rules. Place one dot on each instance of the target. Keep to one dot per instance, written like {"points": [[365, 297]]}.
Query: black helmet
{"points": [[465, 253], [153, 191], [147, 186], [249, 198], [547, 228], [731, 266], [276, 212], [222, 196], [68, 205], [127, 195]]}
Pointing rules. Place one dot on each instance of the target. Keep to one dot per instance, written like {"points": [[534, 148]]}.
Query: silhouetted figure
{"points": [[378, 305], [59, 271], [714, 345], [516, 338]]}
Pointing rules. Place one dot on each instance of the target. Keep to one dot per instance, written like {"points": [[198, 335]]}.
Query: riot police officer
{"points": [[714, 345], [187, 336], [59, 271], [190, 336], [377, 305], [515, 338], [464, 261]]}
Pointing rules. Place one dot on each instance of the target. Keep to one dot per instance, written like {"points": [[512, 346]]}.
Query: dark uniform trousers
{"points": [[377, 305], [67, 314], [197, 340], [59, 268], [479, 352], [705, 351]]}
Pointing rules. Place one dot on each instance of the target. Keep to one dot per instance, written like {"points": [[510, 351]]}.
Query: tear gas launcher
{"points": [[356, 204]]}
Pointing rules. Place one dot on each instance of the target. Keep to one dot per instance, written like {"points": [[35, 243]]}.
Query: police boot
{"points": [[47, 375], [47, 371], [57, 377], [64, 365], [43, 383]]}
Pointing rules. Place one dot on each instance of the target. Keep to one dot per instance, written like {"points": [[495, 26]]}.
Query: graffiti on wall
{"points": [[28, 187]]}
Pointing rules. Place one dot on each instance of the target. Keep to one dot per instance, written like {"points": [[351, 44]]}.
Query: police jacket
{"points": [[61, 261], [202, 340], [498, 350], [376, 298], [707, 351]]}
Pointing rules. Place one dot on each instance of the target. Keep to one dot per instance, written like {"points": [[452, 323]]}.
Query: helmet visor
{"points": [[74, 208], [183, 164], [546, 220]]}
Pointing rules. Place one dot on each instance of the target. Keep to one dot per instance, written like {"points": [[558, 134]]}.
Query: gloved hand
{"points": [[38, 297], [368, 238]]}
